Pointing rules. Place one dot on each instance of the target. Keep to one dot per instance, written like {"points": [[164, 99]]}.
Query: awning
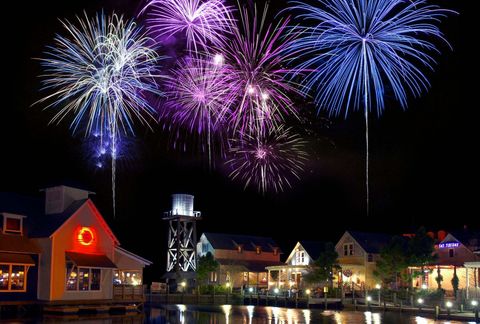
{"points": [[90, 260], [16, 258]]}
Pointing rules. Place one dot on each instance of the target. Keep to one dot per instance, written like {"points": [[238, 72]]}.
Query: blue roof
{"points": [[223, 241], [371, 242], [37, 224], [313, 248]]}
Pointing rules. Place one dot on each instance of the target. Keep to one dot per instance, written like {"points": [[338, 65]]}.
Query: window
{"points": [[213, 276], [82, 279], [12, 224], [258, 250], [204, 247], [451, 253], [275, 251], [348, 249], [239, 249], [370, 257], [125, 277], [245, 276], [12, 277], [299, 257]]}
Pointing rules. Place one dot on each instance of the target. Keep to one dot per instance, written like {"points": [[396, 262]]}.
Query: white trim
{"points": [[133, 256], [13, 216]]}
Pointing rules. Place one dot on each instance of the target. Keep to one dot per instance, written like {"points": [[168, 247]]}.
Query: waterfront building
{"points": [[61, 248]]}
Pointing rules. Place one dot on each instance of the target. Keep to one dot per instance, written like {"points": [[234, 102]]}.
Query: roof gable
{"points": [[370, 242]]}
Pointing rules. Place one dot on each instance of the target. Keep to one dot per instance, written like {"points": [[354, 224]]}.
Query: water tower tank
{"points": [[182, 204]]}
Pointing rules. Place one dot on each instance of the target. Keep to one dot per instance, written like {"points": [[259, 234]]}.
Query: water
{"points": [[227, 314]]}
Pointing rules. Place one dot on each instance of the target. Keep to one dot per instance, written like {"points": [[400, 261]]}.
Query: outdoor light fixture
{"points": [[378, 286], [184, 284], [276, 290], [369, 298], [250, 289], [308, 291], [424, 286], [448, 304], [227, 284], [474, 303], [420, 300]]}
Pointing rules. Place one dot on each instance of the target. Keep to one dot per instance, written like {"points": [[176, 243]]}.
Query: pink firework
{"points": [[256, 55], [268, 162], [198, 91], [202, 23]]}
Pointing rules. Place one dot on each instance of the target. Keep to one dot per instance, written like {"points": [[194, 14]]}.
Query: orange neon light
{"points": [[85, 236]]}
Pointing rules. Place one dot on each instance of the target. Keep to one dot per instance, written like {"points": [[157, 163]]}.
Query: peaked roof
{"points": [[313, 248], [223, 241], [38, 227], [371, 242], [471, 239]]}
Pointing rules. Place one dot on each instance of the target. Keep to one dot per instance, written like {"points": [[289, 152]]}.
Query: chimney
{"points": [[59, 198]]}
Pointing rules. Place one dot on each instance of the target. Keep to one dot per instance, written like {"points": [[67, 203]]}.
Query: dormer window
{"points": [[258, 249], [239, 249], [275, 250], [12, 224]]}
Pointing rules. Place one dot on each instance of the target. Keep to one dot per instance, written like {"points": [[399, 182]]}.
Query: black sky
{"points": [[424, 164]]}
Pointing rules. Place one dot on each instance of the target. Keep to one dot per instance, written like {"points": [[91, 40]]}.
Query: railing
{"points": [[123, 292]]}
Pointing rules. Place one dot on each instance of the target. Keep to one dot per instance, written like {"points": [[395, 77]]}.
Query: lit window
{"points": [[451, 253], [12, 277], [239, 249], [258, 250], [213, 276], [82, 279], [127, 277]]}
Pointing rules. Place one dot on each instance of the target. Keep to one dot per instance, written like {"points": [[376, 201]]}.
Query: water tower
{"points": [[182, 236]]}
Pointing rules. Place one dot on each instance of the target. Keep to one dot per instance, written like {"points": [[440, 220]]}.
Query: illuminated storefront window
{"points": [[12, 277], [127, 277], [82, 279]]}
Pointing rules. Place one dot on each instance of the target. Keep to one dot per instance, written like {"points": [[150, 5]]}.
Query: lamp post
{"points": [[420, 303], [276, 291], [449, 305], [475, 309], [369, 299], [379, 289]]}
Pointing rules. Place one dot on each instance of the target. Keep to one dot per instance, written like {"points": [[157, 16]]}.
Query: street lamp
{"points": [[449, 305], [308, 291], [424, 286], [276, 290], [378, 287], [250, 289], [475, 309], [420, 302]]}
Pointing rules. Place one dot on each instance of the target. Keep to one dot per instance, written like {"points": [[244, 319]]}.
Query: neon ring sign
{"points": [[85, 236]]}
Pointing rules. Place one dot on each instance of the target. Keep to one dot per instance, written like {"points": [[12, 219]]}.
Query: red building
{"points": [[61, 248]]}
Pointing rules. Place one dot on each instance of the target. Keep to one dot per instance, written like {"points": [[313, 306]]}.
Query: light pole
{"points": [[420, 302], [369, 299], [475, 309], [379, 289], [449, 305]]}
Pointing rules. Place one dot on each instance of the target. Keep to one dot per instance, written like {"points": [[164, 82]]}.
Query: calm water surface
{"points": [[226, 314]]}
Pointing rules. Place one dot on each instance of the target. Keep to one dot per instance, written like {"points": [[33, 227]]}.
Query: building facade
{"points": [[453, 251], [358, 253], [290, 274], [68, 252], [243, 259]]}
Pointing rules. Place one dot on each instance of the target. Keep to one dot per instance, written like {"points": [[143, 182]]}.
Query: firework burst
{"points": [[203, 23], [256, 54], [199, 90], [99, 75], [268, 162], [357, 49]]}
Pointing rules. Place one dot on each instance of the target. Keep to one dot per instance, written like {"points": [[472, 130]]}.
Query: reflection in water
{"points": [[227, 314]]}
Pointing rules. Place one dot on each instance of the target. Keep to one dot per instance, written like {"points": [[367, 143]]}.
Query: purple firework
{"points": [[201, 22], [268, 162], [199, 89], [256, 54]]}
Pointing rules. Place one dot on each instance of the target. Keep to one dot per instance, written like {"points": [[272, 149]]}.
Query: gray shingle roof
{"points": [[223, 241], [371, 242]]}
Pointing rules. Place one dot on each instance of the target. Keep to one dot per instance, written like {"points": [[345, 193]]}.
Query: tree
{"points": [[206, 265], [455, 282], [324, 267], [393, 261], [421, 250]]}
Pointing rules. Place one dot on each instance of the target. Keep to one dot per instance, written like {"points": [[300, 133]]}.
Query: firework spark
{"points": [[268, 162], [357, 49], [199, 90], [202, 22], [99, 74], [256, 54]]}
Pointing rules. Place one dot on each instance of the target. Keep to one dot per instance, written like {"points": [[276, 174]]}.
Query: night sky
{"points": [[423, 165]]}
